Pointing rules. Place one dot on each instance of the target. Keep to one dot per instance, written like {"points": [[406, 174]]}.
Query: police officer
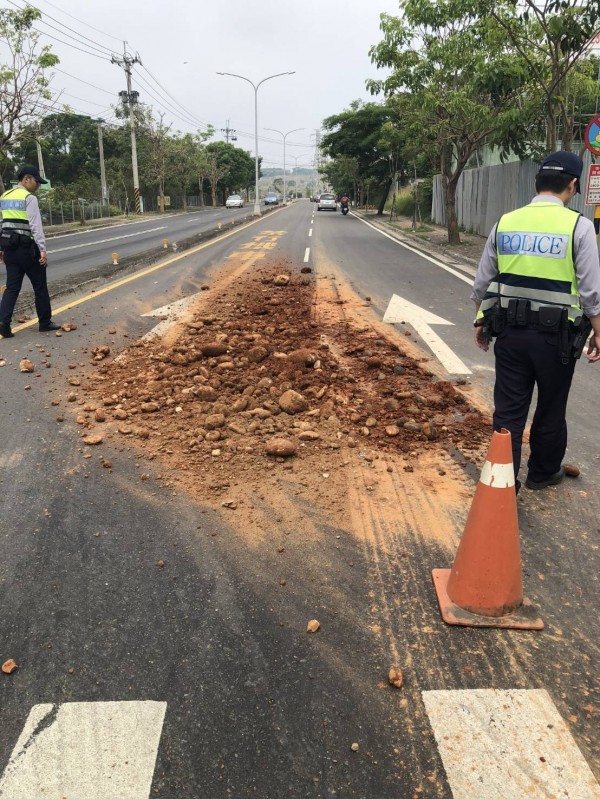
{"points": [[538, 273], [23, 246]]}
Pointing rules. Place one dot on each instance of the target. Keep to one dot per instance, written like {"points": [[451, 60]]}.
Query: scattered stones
{"points": [[395, 677], [281, 280], [9, 666], [93, 440], [571, 471], [160, 564], [304, 356], [292, 402], [25, 365], [149, 407], [257, 354], [354, 747], [68, 327], [313, 626], [214, 349], [309, 435], [392, 430], [100, 353], [280, 447]]}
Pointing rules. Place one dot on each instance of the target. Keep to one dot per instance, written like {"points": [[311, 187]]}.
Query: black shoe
{"points": [[553, 480], [48, 327], [5, 331]]}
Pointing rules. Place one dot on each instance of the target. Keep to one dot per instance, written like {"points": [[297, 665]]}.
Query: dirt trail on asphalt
{"points": [[273, 373]]}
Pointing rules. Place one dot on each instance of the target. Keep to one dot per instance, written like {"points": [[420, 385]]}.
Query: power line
{"points": [[161, 103], [68, 74], [81, 22], [197, 120], [77, 33], [68, 44]]}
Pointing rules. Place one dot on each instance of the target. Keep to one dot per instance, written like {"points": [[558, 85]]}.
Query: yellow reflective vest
{"points": [[535, 259], [14, 211]]}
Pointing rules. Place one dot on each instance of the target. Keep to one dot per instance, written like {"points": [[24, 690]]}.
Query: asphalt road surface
{"points": [[195, 680]]}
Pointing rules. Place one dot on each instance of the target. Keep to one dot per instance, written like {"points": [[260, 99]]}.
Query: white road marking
{"points": [[105, 241], [310, 233], [306, 254], [85, 749], [441, 265], [507, 745], [172, 311], [52, 237], [401, 310]]}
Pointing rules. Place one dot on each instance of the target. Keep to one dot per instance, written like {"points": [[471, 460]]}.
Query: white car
{"points": [[234, 201], [327, 203]]}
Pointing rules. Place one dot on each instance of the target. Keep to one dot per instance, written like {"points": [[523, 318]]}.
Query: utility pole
{"points": [[103, 188], [39, 152], [130, 98], [229, 133]]}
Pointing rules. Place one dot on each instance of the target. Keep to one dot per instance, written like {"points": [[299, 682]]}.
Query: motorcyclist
{"points": [[345, 200]]}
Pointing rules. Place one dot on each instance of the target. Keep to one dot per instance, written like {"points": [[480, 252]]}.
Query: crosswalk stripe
{"points": [[85, 749], [507, 745]]}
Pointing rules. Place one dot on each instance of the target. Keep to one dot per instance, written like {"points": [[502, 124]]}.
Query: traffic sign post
{"points": [[592, 193], [591, 137]]}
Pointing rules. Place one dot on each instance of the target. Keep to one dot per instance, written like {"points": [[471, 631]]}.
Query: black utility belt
{"points": [[550, 318], [10, 239]]}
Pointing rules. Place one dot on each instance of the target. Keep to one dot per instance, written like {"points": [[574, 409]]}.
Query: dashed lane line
{"points": [[306, 254], [310, 232], [86, 749]]}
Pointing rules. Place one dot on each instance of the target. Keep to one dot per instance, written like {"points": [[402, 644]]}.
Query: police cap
{"points": [[563, 162], [32, 171]]}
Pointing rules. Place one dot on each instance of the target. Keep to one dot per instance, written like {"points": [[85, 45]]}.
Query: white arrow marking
{"points": [[172, 311], [401, 310]]}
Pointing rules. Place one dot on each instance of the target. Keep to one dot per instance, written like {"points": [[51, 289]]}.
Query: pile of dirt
{"points": [[254, 374]]}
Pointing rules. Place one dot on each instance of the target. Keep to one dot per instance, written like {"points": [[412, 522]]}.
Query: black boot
{"points": [[48, 327], [5, 331]]}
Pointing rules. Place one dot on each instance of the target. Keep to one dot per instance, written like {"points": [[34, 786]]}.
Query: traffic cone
{"points": [[484, 586]]}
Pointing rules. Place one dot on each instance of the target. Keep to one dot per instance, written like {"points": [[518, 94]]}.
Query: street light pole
{"points": [[256, 87], [285, 135]]}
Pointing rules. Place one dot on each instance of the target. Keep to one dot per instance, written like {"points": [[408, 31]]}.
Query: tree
{"points": [[235, 167], [23, 82], [550, 37], [459, 83], [183, 161], [356, 134]]}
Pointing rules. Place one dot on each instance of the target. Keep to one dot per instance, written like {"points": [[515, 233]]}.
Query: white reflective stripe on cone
{"points": [[497, 475]]}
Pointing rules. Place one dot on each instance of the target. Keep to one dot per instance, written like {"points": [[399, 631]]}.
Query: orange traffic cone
{"points": [[484, 587]]}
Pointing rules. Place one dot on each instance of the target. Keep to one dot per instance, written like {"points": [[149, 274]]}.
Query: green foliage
{"points": [[23, 80]]}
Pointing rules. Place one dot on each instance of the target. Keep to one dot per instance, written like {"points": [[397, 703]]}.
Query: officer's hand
{"points": [[43, 258], [481, 339], [593, 350]]}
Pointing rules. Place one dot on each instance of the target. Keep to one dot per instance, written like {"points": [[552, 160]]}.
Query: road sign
{"points": [[591, 137], [592, 192]]}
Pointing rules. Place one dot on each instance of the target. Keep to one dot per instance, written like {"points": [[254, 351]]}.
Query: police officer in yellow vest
{"points": [[23, 247], [537, 285]]}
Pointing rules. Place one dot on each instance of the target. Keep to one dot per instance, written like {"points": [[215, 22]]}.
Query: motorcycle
{"points": [[344, 207]]}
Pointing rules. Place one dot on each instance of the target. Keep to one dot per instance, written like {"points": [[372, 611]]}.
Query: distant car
{"points": [[288, 198], [327, 203], [234, 201], [271, 198]]}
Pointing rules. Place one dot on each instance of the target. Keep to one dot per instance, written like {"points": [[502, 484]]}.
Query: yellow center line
{"points": [[144, 272]]}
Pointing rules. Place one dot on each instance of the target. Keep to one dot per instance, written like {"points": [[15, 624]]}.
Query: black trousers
{"points": [[20, 262], [524, 359]]}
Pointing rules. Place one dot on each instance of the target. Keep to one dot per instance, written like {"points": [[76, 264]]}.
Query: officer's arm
{"points": [[587, 269], [35, 222]]}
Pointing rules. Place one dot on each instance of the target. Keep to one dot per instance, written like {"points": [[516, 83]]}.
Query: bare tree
{"points": [[24, 86], [216, 171]]}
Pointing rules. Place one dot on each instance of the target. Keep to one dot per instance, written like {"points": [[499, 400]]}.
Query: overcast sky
{"points": [[184, 44]]}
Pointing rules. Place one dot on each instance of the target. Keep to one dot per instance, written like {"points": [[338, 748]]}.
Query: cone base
{"points": [[524, 618]]}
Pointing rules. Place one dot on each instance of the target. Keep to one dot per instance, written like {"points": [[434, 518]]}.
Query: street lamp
{"points": [[255, 86], [285, 135]]}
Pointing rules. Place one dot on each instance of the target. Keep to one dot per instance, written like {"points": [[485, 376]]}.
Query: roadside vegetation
{"points": [[463, 75]]}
